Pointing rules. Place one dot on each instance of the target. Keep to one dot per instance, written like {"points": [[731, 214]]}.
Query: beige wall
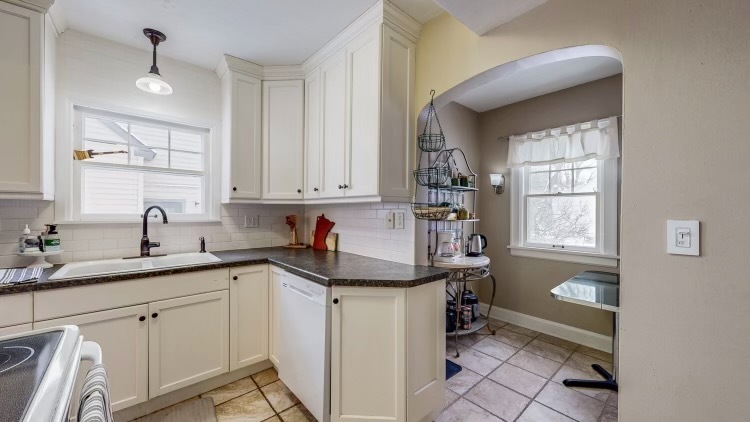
{"points": [[684, 348], [524, 283]]}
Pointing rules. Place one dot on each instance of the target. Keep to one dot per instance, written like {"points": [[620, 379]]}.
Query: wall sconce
{"points": [[498, 182]]}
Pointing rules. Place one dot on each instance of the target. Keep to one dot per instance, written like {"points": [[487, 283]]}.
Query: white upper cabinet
{"points": [[313, 132], [333, 121], [26, 104], [397, 136], [283, 139], [241, 130], [346, 131], [365, 112], [363, 133]]}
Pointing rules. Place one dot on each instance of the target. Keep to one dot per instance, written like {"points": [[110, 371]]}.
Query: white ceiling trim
{"points": [[481, 16]]}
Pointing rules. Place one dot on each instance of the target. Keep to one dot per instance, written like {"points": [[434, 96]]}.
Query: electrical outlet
{"points": [[389, 221], [399, 221], [252, 222]]}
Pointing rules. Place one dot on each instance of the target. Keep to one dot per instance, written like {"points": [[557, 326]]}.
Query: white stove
{"points": [[38, 371]]}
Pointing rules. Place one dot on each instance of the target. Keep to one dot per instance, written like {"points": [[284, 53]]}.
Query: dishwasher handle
{"points": [[297, 290]]}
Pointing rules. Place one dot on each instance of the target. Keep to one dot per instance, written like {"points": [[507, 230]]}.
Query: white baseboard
{"points": [[576, 335]]}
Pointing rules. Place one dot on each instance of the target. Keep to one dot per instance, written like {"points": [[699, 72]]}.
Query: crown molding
{"points": [[373, 16], [400, 22], [238, 65], [57, 19], [282, 73], [38, 5]]}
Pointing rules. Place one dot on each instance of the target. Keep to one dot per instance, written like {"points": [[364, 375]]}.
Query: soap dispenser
{"points": [[23, 238], [51, 239]]}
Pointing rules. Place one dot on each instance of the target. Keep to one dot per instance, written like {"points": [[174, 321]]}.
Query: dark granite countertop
{"points": [[326, 268]]}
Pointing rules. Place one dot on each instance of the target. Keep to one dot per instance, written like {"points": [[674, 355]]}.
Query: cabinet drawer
{"points": [[83, 299], [16, 309]]}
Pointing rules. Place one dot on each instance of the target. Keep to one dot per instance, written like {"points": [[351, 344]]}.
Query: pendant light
{"points": [[153, 82]]}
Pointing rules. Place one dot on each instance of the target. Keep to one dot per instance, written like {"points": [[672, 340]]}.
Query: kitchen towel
{"points": [[11, 276], [95, 405]]}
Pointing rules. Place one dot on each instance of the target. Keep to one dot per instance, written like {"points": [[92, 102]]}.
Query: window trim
{"points": [[607, 221], [68, 205]]}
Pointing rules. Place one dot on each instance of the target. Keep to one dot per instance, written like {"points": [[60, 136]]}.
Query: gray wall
{"points": [[524, 283]]}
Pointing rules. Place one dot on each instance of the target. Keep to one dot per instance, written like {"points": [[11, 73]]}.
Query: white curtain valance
{"points": [[582, 141]]}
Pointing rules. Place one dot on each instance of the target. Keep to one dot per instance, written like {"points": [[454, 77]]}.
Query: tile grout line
{"points": [[548, 380]]}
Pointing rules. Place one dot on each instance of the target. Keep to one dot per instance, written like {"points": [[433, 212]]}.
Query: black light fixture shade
{"points": [[153, 82]]}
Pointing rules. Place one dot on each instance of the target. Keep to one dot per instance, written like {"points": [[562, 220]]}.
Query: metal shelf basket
{"points": [[430, 141], [426, 211], [432, 176]]}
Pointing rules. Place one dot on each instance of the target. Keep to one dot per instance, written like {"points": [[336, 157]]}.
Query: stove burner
{"points": [[16, 355]]}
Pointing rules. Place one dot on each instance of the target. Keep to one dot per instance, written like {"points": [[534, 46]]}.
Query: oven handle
{"points": [[90, 351]]}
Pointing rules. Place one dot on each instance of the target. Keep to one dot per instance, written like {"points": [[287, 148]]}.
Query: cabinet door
{"points": [[283, 139], [21, 49], [188, 341], [123, 338], [277, 275], [363, 136], [368, 342], [241, 146], [333, 85], [248, 316], [397, 146], [313, 138]]}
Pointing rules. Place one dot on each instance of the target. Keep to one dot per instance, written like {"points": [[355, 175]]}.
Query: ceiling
{"points": [[278, 32], [533, 81], [481, 16], [421, 10]]}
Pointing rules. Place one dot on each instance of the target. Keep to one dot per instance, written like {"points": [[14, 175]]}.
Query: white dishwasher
{"points": [[305, 343]]}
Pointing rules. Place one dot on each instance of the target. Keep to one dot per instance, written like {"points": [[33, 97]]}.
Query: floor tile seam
{"points": [[262, 393], [486, 377], [537, 354]]}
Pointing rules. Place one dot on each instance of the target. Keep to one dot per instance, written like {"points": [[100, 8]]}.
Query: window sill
{"points": [[566, 256], [138, 221]]}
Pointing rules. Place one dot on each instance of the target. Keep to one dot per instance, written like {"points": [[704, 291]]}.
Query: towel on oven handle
{"points": [[95, 404]]}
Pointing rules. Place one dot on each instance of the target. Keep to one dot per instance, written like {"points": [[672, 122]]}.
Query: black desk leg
{"points": [[608, 383]]}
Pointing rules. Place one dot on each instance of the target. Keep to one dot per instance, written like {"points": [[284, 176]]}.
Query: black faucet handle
{"points": [[154, 244], [203, 244]]}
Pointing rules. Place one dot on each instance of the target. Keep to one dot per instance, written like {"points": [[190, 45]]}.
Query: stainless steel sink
{"points": [[117, 266]]}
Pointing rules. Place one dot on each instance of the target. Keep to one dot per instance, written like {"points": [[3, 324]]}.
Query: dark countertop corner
{"points": [[323, 267]]}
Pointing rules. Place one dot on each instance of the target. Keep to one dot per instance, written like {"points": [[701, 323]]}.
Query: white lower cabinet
{"points": [[248, 316], [277, 275], [377, 370], [123, 336], [188, 341]]}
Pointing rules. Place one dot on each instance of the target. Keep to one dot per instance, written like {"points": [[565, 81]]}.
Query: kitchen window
{"points": [[565, 207], [154, 163]]}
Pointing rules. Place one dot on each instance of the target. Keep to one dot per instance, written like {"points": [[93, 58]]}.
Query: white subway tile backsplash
{"points": [[361, 229], [105, 241]]}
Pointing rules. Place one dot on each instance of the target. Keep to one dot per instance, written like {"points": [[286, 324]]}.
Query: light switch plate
{"points": [[399, 221], [683, 237], [252, 222], [390, 223]]}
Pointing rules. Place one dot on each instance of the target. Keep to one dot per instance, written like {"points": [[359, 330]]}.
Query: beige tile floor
{"points": [[259, 397], [517, 374]]}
